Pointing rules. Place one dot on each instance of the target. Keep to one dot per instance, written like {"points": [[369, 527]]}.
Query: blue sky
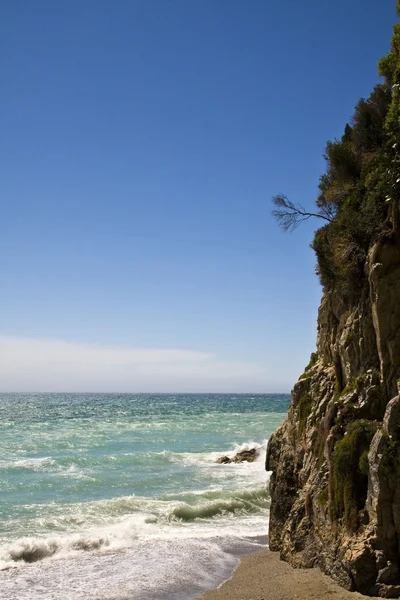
{"points": [[141, 144]]}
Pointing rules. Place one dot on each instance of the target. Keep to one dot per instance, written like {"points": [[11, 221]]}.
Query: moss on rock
{"points": [[349, 478], [304, 410]]}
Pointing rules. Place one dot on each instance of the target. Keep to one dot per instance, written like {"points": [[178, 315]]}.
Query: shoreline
{"points": [[263, 576]]}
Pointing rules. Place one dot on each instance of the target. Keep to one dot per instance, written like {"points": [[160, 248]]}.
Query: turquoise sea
{"points": [[118, 496]]}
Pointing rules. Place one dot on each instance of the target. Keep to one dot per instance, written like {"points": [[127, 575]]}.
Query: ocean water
{"points": [[118, 496]]}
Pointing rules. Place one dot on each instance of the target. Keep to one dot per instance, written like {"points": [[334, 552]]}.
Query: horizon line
{"points": [[152, 393]]}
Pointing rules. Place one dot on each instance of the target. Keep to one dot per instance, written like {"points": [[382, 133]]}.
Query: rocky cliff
{"points": [[335, 461]]}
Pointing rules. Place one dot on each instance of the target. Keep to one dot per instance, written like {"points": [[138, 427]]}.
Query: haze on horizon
{"points": [[141, 144]]}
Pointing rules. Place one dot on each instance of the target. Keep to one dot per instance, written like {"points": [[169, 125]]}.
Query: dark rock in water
{"points": [[223, 460], [243, 456], [246, 456]]}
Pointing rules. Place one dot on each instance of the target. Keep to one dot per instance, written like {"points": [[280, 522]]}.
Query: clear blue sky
{"points": [[141, 143]]}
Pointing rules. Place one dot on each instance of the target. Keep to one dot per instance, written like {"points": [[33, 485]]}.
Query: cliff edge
{"points": [[335, 460]]}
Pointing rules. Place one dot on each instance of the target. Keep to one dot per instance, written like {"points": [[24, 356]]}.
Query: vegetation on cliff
{"points": [[335, 461], [350, 472], [360, 191]]}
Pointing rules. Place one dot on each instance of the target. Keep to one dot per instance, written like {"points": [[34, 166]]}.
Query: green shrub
{"points": [[358, 193], [369, 120], [363, 171]]}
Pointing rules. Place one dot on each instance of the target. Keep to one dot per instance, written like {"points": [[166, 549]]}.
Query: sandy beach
{"points": [[262, 576]]}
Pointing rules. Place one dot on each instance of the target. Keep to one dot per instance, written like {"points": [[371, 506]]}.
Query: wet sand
{"points": [[262, 576]]}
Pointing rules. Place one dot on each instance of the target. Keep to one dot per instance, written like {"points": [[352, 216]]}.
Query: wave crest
{"points": [[32, 550], [245, 502]]}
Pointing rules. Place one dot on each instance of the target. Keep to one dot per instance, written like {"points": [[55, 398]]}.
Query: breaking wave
{"points": [[138, 518], [245, 502], [111, 496]]}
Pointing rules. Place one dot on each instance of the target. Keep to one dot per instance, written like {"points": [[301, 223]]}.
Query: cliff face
{"points": [[335, 461]]}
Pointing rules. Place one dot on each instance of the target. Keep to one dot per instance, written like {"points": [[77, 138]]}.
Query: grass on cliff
{"points": [[349, 476]]}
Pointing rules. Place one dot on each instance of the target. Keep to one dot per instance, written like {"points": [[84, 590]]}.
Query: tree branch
{"points": [[290, 215]]}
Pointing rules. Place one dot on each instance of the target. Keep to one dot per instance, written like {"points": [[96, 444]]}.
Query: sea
{"points": [[119, 496]]}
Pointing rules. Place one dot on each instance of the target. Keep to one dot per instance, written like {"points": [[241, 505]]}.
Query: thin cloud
{"points": [[32, 364]]}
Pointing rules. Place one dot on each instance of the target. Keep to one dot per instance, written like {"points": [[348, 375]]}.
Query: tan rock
{"points": [[324, 510]]}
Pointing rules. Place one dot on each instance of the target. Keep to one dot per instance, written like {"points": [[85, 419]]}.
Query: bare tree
{"points": [[290, 215]]}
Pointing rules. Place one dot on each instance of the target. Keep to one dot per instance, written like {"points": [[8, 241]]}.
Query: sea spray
{"points": [[97, 489]]}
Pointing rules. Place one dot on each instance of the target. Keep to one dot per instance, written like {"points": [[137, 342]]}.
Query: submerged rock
{"points": [[243, 456]]}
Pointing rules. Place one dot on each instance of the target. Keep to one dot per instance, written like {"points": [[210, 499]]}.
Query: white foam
{"points": [[131, 547], [34, 464], [122, 521], [153, 568], [204, 460], [75, 472]]}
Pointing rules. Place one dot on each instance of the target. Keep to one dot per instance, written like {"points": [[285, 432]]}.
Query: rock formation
{"points": [[243, 456], [335, 461]]}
